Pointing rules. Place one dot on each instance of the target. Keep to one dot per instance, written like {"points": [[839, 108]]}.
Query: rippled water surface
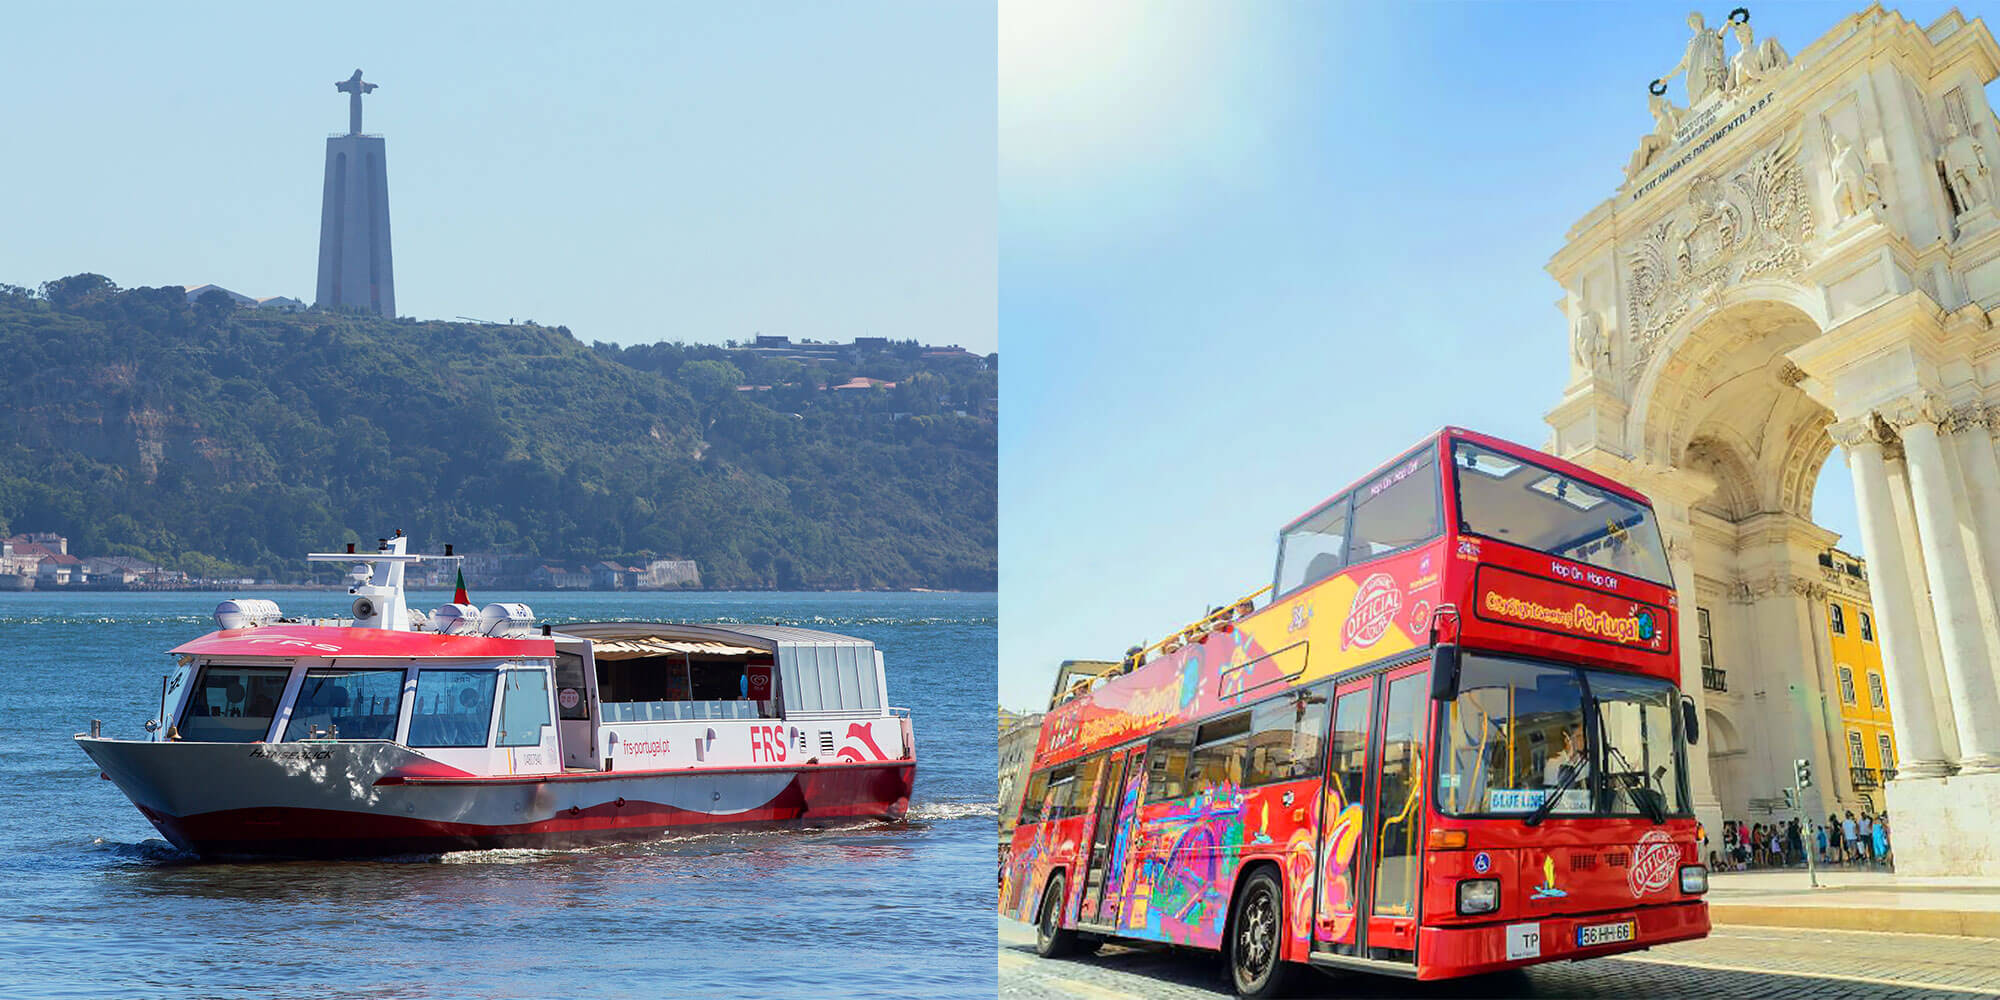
{"points": [[94, 904]]}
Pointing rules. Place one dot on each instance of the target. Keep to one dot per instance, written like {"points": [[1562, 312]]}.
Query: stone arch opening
{"points": [[1729, 419]]}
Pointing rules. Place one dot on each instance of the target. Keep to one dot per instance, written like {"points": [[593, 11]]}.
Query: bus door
{"points": [[1103, 878], [1345, 815], [1395, 823]]}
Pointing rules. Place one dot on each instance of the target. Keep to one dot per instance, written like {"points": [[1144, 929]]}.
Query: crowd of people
{"points": [[1849, 840]]}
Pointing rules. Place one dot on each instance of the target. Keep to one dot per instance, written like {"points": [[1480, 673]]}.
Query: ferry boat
{"points": [[398, 731]]}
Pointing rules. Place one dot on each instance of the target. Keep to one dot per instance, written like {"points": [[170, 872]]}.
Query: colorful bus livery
{"points": [[1450, 743]]}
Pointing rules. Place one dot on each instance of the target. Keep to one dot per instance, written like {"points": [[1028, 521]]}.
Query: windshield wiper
{"points": [[1541, 812], [1647, 803]]}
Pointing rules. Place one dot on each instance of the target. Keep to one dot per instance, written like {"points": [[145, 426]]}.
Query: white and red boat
{"points": [[398, 731]]}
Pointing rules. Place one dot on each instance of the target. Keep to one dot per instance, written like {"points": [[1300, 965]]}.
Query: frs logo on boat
{"points": [[768, 744], [1373, 611], [1654, 861], [272, 640]]}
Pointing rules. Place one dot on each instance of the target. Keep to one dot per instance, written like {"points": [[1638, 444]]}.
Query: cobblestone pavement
{"points": [[1732, 962]]}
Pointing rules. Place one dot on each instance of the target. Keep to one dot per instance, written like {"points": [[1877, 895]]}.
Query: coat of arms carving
{"points": [[1749, 221]]}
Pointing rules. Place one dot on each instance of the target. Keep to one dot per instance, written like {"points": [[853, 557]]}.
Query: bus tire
{"points": [[1052, 940], [1256, 965]]}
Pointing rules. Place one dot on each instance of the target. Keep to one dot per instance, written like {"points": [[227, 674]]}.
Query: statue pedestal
{"points": [[356, 268], [1855, 223], [1944, 826], [1975, 222]]}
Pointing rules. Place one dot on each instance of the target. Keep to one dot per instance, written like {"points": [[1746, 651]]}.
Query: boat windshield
{"points": [[232, 704], [1517, 725], [347, 705], [1517, 501]]}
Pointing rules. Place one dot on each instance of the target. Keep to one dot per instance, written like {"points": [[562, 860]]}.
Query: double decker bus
{"points": [[1449, 742]]}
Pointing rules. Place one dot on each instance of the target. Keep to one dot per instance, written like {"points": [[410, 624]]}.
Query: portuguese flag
{"points": [[459, 597]]}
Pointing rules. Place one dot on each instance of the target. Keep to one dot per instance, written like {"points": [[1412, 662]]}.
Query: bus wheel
{"points": [[1051, 939], [1255, 969]]}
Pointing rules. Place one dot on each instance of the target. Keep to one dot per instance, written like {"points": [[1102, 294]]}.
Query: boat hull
{"points": [[372, 799]]}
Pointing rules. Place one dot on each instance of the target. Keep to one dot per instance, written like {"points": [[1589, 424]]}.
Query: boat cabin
{"points": [[484, 693]]}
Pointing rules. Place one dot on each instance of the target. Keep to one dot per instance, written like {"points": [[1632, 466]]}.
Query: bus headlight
{"points": [[1478, 895], [1694, 879]]}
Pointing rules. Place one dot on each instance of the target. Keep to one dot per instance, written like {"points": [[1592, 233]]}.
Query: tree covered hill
{"points": [[231, 441]]}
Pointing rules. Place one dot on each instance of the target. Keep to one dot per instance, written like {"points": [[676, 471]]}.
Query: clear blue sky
{"points": [[1249, 251], [637, 171]]}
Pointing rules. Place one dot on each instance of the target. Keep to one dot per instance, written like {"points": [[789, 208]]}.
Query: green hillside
{"points": [[231, 441]]}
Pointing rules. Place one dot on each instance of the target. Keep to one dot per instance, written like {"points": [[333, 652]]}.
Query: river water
{"points": [[93, 903]]}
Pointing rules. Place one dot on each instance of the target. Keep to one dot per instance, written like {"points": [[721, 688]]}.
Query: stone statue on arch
{"points": [[1754, 60], [1855, 189], [1966, 170], [1707, 73], [1588, 346]]}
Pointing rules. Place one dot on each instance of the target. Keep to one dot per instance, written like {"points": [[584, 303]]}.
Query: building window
{"points": [[1887, 754], [1847, 687], [1839, 620], [1875, 696], [1867, 628], [1854, 755], [1707, 642]]}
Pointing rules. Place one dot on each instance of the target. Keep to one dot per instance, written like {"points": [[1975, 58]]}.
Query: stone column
{"points": [[1911, 704], [1975, 698], [1973, 442], [1917, 584]]}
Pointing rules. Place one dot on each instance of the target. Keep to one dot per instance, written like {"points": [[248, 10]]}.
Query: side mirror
{"points": [[1444, 671], [1690, 721]]}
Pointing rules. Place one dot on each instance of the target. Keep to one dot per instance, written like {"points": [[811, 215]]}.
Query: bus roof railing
{"points": [[1223, 617]]}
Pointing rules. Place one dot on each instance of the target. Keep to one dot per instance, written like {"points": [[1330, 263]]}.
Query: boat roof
{"points": [[336, 640], [761, 637]]}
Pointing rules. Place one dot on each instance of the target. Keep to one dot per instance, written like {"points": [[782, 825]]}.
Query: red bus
{"points": [[1451, 742]]}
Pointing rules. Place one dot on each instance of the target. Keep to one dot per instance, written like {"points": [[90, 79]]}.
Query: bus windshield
{"points": [[1516, 725], [1517, 501]]}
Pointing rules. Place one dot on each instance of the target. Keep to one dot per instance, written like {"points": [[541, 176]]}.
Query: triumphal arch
{"points": [[1803, 255]]}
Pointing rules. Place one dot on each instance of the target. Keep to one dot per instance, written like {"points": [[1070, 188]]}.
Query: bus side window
{"points": [[1221, 748], [1168, 765], [1285, 737], [1082, 787], [1396, 511], [1031, 803]]}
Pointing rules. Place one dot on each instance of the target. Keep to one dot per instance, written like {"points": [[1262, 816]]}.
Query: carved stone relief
{"points": [[1746, 222]]}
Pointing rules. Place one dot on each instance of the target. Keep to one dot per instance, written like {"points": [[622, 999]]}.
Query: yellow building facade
{"points": [[1868, 740]]}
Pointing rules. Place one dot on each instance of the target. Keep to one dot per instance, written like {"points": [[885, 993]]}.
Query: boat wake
{"points": [[944, 812], [157, 852]]}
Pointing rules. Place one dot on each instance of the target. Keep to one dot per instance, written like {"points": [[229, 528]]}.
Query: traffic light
{"points": [[1802, 772], [1791, 799]]}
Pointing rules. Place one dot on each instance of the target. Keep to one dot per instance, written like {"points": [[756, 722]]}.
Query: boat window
{"points": [[454, 708], [677, 687], [346, 705], [572, 698], [232, 704], [524, 707]]}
